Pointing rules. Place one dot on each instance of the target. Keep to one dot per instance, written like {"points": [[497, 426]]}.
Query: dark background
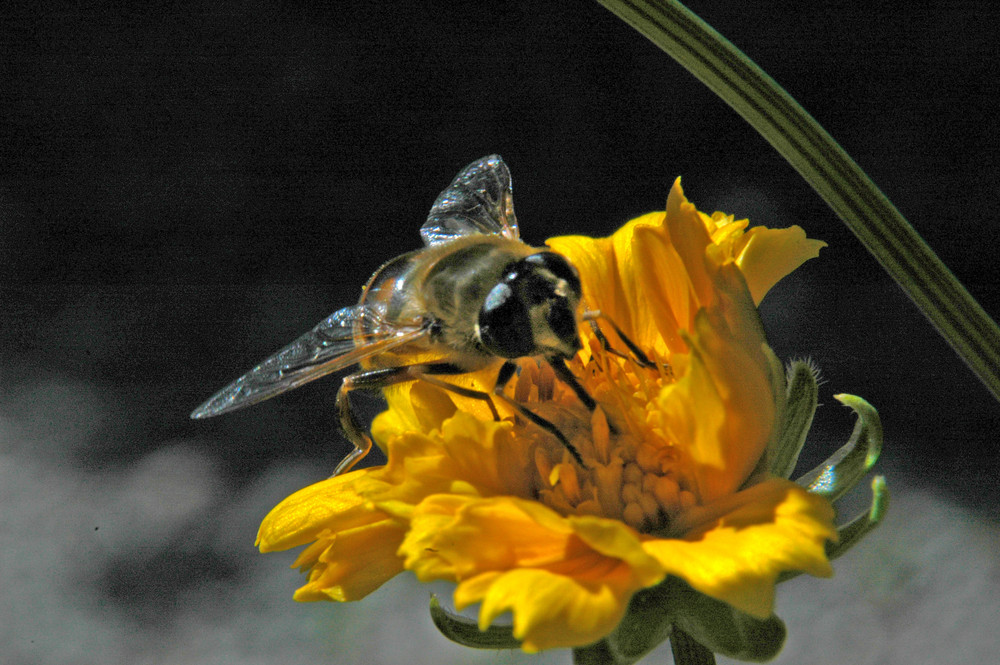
{"points": [[186, 188]]}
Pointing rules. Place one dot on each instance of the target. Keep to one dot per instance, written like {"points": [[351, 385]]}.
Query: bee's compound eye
{"points": [[562, 322], [558, 266], [504, 324]]}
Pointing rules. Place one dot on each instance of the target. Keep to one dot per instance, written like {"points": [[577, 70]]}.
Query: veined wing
{"points": [[479, 200], [330, 346]]}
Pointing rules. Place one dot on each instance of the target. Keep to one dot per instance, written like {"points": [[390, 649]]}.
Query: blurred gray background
{"points": [[186, 188]]}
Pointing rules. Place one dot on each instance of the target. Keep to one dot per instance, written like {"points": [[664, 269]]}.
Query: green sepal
{"points": [[648, 622], [800, 406], [597, 653], [725, 630], [846, 467], [656, 613], [687, 651], [465, 631], [852, 532]]}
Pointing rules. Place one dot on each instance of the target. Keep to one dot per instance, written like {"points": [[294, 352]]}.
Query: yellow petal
{"points": [[612, 284], [462, 455], [413, 407], [737, 547], [566, 581], [614, 539], [354, 563], [333, 504], [721, 411], [356, 543], [453, 537], [767, 255], [662, 303], [690, 238], [550, 610]]}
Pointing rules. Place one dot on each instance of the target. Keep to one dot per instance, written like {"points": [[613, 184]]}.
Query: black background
{"points": [[185, 188]]}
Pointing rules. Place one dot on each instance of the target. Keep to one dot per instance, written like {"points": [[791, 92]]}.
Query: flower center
{"points": [[632, 471]]}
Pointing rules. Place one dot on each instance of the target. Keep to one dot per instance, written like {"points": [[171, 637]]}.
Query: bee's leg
{"points": [[377, 379], [637, 354], [503, 378], [558, 365], [426, 372], [374, 379], [359, 437]]}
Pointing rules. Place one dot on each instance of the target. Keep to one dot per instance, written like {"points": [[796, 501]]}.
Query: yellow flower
{"points": [[675, 479]]}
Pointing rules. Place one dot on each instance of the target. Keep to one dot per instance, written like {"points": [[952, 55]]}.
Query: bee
{"points": [[475, 295]]}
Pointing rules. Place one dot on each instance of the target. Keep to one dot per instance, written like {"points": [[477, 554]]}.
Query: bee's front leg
{"points": [[376, 379], [503, 378], [558, 365], [359, 437], [638, 356]]}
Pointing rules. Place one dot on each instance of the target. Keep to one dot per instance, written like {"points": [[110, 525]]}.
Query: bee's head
{"points": [[532, 310]]}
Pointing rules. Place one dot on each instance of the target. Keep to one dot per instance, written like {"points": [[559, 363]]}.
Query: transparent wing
{"points": [[478, 200], [330, 346]]}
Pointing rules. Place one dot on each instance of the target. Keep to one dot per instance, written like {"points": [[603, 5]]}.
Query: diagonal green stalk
{"points": [[830, 171]]}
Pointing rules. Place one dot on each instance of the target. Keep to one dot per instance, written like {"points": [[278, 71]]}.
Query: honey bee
{"points": [[473, 296]]}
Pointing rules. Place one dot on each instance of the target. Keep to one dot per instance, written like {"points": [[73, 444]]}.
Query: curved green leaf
{"points": [[465, 631], [796, 420], [852, 532], [846, 467]]}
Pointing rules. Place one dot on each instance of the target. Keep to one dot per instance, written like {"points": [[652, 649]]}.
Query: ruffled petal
{"points": [[551, 610], [734, 549], [464, 455], [454, 537], [721, 412], [352, 563], [330, 505], [690, 238], [765, 256], [613, 539], [567, 581], [642, 302], [413, 407], [355, 543]]}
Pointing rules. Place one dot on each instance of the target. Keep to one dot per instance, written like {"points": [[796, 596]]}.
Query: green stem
{"points": [[830, 171]]}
